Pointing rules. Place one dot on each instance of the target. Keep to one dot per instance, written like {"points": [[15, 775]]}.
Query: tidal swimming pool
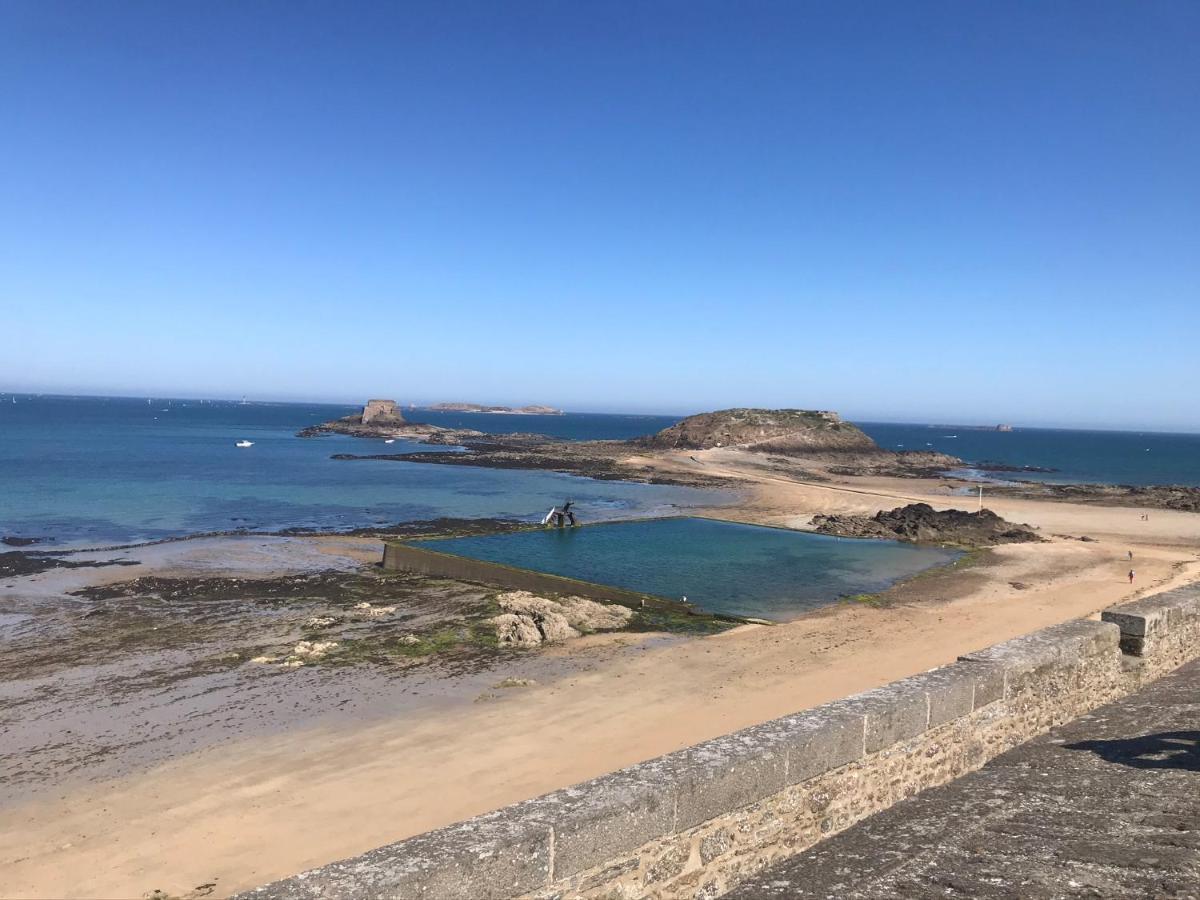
{"points": [[721, 567]]}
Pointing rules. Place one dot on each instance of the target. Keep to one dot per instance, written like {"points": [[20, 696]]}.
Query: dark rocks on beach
{"points": [[1155, 496], [14, 562], [21, 541], [920, 522], [989, 466]]}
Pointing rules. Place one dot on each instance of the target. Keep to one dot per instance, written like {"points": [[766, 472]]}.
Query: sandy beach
{"points": [[402, 756]]}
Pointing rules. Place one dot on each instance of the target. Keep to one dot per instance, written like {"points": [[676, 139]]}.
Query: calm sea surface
{"points": [[1107, 457], [722, 567], [94, 471]]}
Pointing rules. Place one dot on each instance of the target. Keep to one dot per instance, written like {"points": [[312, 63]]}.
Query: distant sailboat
{"points": [[390, 441], [245, 444]]}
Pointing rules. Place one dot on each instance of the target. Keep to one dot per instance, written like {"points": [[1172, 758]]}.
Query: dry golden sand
{"points": [[245, 813]]}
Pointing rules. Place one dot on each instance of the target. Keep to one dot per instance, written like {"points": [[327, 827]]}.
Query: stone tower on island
{"points": [[381, 412]]}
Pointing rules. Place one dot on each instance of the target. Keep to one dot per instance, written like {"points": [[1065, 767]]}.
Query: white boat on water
{"points": [[390, 441], [245, 444]]}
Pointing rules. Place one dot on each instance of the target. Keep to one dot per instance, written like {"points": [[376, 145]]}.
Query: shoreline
{"points": [[377, 757]]}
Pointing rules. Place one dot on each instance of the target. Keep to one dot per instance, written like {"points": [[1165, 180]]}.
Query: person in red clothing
{"points": [[1131, 576]]}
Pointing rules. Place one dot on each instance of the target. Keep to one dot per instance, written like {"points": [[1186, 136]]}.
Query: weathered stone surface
{"points": [[1060, 646], [601, 819], [949, 689], [727, 773], [668, 865], [1146, 623], [698, 822], [894, 713], [821, 740], [1106, 806], [989, 681], [716, 844], [381, 412], [502, 854]]}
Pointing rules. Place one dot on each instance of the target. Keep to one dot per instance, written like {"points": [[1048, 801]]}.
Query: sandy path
{"points": [[242, 814]]}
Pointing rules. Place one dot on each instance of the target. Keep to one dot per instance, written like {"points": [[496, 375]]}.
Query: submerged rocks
{"points": [[920, 522], [529, 621]]}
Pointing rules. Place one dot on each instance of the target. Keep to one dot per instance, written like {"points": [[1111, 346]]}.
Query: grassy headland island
{"points": [[223, 694]]}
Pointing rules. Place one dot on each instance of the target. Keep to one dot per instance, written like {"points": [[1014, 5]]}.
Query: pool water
{"points": [[721, 567]]}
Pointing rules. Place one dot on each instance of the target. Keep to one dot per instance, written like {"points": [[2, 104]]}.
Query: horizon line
{"points": [[866, 420]]}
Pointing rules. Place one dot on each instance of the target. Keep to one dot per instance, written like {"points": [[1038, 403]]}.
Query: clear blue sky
{"points": [[954, 211]]}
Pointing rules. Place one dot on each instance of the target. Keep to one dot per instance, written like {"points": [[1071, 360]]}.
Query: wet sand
{"points": [[326, 781]]}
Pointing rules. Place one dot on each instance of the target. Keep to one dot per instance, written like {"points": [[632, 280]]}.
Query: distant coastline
{"points": [[531, 410]]}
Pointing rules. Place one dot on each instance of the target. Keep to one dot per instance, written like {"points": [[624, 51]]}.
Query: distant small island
{"points": [[532, 410]]}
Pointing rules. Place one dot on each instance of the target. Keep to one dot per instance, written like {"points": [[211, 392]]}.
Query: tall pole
{"points": [[981, 498]]}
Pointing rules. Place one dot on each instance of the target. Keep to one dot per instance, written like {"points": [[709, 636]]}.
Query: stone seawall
{"points": [[697, 822]]}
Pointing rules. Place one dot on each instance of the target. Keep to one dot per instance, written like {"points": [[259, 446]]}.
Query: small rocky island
{"points": [[775, 437], [531, 410], [768, 430]]}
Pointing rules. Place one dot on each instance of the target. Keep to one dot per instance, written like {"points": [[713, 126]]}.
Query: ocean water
{"points": [[1105, 457], [96, 471], [722, 567], [569, 427]]}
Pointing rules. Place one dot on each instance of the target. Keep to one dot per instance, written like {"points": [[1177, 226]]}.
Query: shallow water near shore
{"points": [[721, 567]]}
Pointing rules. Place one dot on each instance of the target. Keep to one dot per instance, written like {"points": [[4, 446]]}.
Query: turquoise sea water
{"points": [[89, 472], [721, 567]]}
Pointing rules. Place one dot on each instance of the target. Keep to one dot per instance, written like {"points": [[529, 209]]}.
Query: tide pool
{"points": [[721, 567]]}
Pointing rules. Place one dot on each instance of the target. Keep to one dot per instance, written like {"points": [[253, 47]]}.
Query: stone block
{"points": [[988, 678], [1145, 622], [715, 845], [820, 740], [1059, 649], [500, 854], [894, 713], [951, 692], [602, 819], [727, 773], [668, 865]]}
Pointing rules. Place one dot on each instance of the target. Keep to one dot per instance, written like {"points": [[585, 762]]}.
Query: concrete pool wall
{"points": [[405, 557]]}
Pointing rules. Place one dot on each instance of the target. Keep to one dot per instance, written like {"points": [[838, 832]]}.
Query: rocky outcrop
{"points": [[780, 431], [529, 621], [381, 412], [1154, 496], [920, 522]]}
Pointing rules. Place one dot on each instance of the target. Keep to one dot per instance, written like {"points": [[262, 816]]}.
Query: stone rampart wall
{"points": [[696, 822]]}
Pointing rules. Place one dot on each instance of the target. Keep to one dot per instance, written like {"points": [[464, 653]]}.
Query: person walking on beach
{"points": [[1131, 556], [1131, 576]]}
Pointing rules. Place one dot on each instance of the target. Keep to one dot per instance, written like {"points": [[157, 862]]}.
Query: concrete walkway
{"points": [[1105, 806]]}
